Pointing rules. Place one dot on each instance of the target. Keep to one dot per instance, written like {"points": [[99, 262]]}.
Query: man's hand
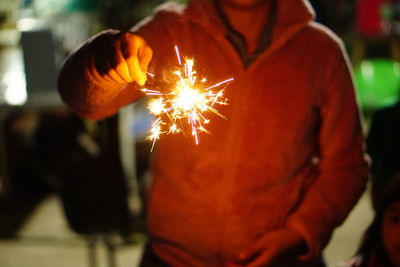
{"points": [[274, 249], [121, 57]]}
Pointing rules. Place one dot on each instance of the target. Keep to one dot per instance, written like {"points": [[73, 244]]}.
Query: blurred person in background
{"points": [[381, 243], [380, 246], [270, 184]]}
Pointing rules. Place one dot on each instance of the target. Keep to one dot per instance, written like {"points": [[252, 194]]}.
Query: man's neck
{"points": [[249, 22]]}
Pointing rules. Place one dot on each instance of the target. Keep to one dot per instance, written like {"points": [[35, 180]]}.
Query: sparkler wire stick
{"points": [[178, 55], [220, 83]]}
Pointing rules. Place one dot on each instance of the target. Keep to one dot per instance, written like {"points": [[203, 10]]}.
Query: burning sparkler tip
{"points": [[185, 104]]}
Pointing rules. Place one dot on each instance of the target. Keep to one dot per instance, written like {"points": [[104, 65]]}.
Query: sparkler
{"points": [[181, 109]]}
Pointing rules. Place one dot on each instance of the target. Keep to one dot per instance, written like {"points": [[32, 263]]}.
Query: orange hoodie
{"points": [[291, 153]]}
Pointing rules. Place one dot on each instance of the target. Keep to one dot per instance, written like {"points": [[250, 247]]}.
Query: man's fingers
{"points": [[107, 60], [113, 76], [121, 65], [253, 251], [248, 255], [231, 264], [266, 258], [273, 248]]}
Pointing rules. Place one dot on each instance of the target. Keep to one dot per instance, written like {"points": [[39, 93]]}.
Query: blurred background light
{"points": [[377, 83], [15, 88]]}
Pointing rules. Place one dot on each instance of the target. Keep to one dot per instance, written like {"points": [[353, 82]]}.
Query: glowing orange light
{"points": [[184, 103]]}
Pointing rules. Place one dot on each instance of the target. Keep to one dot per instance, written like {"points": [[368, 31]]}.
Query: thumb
{"points": [[137, 55], [145, 55]]}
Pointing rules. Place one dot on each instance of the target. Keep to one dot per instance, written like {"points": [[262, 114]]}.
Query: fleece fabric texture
{"points": [[290, 154]]}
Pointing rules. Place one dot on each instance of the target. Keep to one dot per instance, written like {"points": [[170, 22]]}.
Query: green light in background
{"points": [[377, 83]]}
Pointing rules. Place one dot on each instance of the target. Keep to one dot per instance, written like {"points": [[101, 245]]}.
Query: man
{"points": [[269, 185]]}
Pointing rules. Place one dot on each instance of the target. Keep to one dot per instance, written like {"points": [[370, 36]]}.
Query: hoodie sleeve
{"points": [[85, 91], [343, 168]]}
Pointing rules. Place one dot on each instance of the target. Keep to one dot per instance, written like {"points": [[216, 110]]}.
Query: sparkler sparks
{"points": [[181, 108]]}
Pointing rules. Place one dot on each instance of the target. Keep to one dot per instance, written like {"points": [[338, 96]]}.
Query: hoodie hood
{"points": [[291, 17]]}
